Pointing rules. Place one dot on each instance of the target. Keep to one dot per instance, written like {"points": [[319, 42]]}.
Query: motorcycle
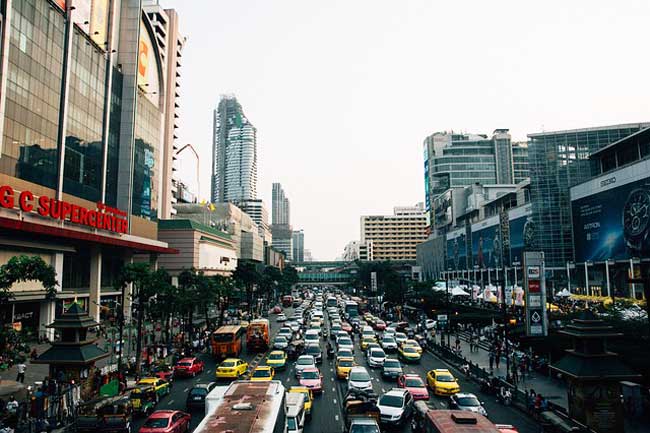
{"points": [[504, 396]]}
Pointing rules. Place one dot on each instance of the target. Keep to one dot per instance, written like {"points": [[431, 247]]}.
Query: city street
{"points": [[327, 416]]}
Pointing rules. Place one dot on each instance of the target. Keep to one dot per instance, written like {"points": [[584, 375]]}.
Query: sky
{"points": [[343, 92]]}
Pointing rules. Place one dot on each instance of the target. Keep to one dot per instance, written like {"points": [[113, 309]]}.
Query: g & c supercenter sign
{"points": [[102, 218]]}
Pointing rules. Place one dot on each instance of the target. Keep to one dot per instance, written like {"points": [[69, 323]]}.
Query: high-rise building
{"points": [[559, 160], [170, 43], [83, 147], [298, 237], [356, 250], [257, 211], [456, 160], [234, 154], [280, 203], [283, 239], [394, 237]]}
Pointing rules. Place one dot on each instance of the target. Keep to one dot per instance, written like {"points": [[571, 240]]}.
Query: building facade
{"points": [[394, 237], [559, 160], [82, 115], [234, 154], [257, 211], [356, 250], [281, 212], [282, 235], [298, 240]]}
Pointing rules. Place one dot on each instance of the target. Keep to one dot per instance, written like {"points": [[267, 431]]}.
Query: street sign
{"points": [[442, 317], [373, 281], [535, 294]]}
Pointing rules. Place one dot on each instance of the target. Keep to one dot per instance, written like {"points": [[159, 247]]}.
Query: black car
{"points": [[196, 396], [315, 351]]}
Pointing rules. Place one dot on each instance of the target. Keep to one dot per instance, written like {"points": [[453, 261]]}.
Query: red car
{"points": [[506, 428], [345, 326], [167, 421], [312, 379], [380, 325], [415, 385], [189, 367]]}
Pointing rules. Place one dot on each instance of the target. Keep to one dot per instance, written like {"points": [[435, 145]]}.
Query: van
{"points": [[295, 413]]}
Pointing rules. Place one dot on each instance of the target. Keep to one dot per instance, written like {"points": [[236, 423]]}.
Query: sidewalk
{"points": [[554, 390]]}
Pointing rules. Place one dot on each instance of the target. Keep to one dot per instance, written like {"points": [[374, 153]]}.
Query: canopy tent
{"points": [[563, 294], [457, 291]]}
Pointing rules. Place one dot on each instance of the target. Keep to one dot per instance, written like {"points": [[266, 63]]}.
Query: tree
{"points": [[247, 277], [225, 287]]}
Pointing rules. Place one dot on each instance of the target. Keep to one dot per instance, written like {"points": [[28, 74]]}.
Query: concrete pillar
{"points": [[95, 283], [57, 264], [46, 316]]}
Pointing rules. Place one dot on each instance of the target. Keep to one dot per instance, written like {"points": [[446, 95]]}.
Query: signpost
{"points": [[535, 294], [373, 282]]}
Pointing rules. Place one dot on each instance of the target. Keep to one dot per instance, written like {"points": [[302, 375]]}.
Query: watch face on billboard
{"points": [[148, 79]]}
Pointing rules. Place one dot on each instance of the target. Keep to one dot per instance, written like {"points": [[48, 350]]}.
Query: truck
{"points": [[258, 335], [243, 407]]}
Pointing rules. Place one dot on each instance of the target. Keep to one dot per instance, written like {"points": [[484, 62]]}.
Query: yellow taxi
{"points": [[160, 386], [409, 354], [413, 343], [309, 397], [442, 382], [263, 373], [343, 367], [231, 368], [277, 359], [365, 341]]}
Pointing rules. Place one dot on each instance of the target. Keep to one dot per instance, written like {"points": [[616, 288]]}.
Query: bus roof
{"points": [[457, 421], [228, 329], [244, 407]]}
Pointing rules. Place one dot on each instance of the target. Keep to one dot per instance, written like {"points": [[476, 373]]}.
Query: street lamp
{"points": [[587, 263], [514, 266], [569, 265], [448, 312]]}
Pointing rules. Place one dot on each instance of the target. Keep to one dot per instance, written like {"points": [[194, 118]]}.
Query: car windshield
{"points": [[198, 391], [391, 400], [391, 364], [468, 401], [388, 340], [345, 352], [261, 373], [276, 356], [227, 364], [414, 382], [312, 350], [346, 363], [400, 335], [310, 375], [156, 423], [359, 376], [445, 378], [305, 361], [185, 364], [291, 423], [409, 349], [377, 354], [364, 428], [345, 341], [311, 337], [280, 339]]}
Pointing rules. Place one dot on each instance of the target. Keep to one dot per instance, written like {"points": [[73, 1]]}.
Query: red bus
{"points": [[227, 341]]}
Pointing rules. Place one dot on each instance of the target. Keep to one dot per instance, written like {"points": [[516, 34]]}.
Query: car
{"points": [[196, 396], [430, 324], [263, 373], [395, 406], [392, 369], [281, 318], [506, 428], [415, 385], [189, 367], [231, 368], [400, 337], [277, 359], [409, 354], [309, 397], [346, 327], [341, 334], [345, 343], [414, 344], [167, 421], [280, 342], [380, 325], [364, 425], [334, 330], [312, 379], [376, 357], [442, 382], [303, 362], [285, 332], [344, 353], [388, 343], [160, 386], [315, 351], [164, 372], [371, 346], [468, 402], [365, 341], [359, 378], [293, 325], [343, 366], [389, 331]]}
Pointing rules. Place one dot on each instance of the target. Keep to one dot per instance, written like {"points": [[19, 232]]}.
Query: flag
{"points": [[212, 207], [202, 203]]}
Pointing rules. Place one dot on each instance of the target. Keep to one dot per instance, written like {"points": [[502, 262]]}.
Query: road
{"points": [[327, 416]]}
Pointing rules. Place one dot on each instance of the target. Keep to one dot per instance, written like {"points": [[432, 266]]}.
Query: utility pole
{"points": [[504, 223], [448, 311], [120, 317]]}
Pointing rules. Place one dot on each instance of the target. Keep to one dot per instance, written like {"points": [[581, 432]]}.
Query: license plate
{"points": [[197, 398]]}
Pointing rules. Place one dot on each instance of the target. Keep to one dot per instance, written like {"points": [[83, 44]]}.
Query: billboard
{"points": [[535, 294], [457, 250], [486, 243], [615, 222], [442, 206], [148, 79]]}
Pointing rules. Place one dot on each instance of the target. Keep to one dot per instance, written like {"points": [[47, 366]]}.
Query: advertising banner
{"points": [[456, 250], [486, 244], [614, 223], [535, 294], [373, 281], [99, 22]]}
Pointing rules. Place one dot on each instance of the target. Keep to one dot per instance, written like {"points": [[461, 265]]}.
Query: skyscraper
{"points": [[280, 204], [298, 246], [234, 154]]}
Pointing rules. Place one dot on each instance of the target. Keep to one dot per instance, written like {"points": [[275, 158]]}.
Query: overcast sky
{"points": [[343, 92]]}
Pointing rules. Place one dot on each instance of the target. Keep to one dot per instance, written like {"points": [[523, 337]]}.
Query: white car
{"points": [[312, 336], [395, 406], [281, 318], [400, 337], [295, 327], [358, 378], [389, 331], [389, 343], [345, 343], [281, 342], [429, 324], [376, 358], [303, 362]]}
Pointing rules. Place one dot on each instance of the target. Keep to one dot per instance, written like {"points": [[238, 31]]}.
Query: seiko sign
{"points": [[608, 181]]}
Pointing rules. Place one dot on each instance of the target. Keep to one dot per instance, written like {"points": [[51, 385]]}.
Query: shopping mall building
{"points": [[88, 109]]}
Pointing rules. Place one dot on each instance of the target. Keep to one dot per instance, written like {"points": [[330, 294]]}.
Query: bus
{"points": [[351, 309], [258, 335], [452, 421], [227, 341]]}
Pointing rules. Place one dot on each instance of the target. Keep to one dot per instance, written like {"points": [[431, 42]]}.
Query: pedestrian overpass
{"points": [[324, 272]]}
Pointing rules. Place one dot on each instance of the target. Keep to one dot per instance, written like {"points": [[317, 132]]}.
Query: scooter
{"points": [[504, 396]]}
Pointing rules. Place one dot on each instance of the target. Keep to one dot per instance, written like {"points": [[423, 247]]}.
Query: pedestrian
{"points": [[497, 359], [492, 361], [457, 342], [21, 367]]}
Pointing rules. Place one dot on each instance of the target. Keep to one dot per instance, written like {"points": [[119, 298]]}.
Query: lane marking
{"points": [[336, 417], [334, 401], [186, 389], [170, 402]]}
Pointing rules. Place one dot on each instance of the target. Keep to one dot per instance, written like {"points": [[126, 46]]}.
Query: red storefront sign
{"points": [[534, 286], [103, 217]]}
